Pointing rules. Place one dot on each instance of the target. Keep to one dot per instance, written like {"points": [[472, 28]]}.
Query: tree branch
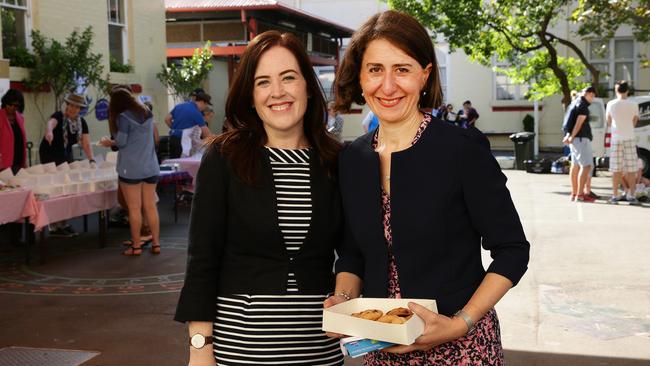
{"points": [[511, 42], [557, 70], [594, 72]]}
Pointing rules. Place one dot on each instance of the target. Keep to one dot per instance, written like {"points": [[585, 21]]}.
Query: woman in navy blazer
{"points": [[420, 198]]}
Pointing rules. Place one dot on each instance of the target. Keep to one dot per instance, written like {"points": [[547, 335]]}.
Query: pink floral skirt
{"points": [[481, 347]]}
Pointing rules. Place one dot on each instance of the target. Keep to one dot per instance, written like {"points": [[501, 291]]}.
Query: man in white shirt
{"points": [[623, 116]]}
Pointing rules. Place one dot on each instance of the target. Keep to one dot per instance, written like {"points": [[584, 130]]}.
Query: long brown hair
{"points": [[121, 100], [246, 135], [402, 31]]}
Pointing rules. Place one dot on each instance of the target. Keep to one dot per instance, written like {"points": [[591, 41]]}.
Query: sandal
{"points": [[155, 249], [129, 243], [132, 251]]}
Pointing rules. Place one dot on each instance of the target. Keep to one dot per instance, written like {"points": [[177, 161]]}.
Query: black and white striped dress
{"points": [[278, 329]]}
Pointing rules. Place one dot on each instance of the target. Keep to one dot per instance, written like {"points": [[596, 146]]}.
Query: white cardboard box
{"points": [[337, 319]]}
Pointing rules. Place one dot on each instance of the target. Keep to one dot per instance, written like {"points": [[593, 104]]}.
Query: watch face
{"points": [[198, 341]]}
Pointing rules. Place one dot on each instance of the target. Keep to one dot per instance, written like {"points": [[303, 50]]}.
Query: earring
{"points": [[362, 95], [424, 93]]}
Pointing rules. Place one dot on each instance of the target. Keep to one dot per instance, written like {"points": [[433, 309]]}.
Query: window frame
{"points": [[518, 95], [28, 21], [122, 10], [611, 60]]}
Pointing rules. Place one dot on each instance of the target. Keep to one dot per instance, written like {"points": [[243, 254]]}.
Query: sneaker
{"points": [[60, 233], [70, 231], [585, 198], [572, 198], [593, 195], [633, 200], [615, 200]]}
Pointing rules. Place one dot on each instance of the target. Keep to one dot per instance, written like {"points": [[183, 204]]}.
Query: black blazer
{"points": [[448, 196], [235, 243]]}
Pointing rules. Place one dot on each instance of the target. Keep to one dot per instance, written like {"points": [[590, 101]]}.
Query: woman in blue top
{"points": [[137, 166]]}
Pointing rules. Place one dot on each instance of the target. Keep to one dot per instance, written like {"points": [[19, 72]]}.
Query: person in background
{"points": [[370, 123], [208, 114], [439, 113], [420, 198], [622, 116], [467, 116], [65, 129], [184, 116], [13, 140], [450, 116], [196, 92], [137, 166], [196, 132], [146, 235], [334, 121], [254, 243], [577, 134]]}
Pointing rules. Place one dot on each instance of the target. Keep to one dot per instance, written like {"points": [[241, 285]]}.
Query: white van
{"points": [[602, 136]]}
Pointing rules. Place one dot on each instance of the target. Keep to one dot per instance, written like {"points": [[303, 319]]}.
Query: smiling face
{"points": [[280, 92], [11, 108], [391, 81], [71, 110]]}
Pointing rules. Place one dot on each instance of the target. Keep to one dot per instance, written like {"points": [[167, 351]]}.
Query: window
{"points": [[505, 88], [14, 26], [117, 31], [326, 78], [441, 57], [615, 59]]}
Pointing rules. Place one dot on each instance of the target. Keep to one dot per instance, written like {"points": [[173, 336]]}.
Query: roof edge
{"points": [[277, 6]]}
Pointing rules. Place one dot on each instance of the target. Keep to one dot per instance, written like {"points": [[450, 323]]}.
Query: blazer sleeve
{"points": [[207, 235], [350, 258], [492, 211]]}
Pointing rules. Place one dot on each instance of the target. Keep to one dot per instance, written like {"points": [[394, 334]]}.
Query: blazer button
{"points": [[291, 259]]}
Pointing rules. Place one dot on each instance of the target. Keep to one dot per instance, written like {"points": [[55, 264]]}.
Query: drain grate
{"points": [[23, 356]]}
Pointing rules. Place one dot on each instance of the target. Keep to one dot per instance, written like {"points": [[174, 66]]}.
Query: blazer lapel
{"points": [[269, 201], [367, 177]]}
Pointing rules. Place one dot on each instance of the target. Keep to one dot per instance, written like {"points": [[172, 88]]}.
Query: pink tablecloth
{"points": [[16, 205], [67, 207], [190, 165]]}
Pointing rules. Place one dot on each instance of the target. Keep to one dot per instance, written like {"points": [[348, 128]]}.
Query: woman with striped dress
{"points": [[265, 219]]}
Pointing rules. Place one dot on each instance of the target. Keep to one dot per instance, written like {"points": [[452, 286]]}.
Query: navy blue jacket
{"points": [[448, 197]]}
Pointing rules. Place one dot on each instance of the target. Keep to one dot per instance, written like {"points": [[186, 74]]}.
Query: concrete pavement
{"points": [[587, 289]]}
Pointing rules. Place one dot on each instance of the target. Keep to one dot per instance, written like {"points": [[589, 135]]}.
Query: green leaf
{"points": [[187, 74]]}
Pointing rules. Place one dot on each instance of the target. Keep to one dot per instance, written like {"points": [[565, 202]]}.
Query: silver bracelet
{"points": [[344, 295], [468, 320]]}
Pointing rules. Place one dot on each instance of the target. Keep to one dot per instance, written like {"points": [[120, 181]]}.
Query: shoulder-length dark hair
{"points": [[14, 96], [122, 99], [402, 31], [245, 134]]}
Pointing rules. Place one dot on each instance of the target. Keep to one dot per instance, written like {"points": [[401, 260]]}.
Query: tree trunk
{"points": [[557, 70]]}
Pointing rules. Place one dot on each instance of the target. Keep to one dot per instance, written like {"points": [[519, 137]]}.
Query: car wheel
{"points": [[644, 155]]}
